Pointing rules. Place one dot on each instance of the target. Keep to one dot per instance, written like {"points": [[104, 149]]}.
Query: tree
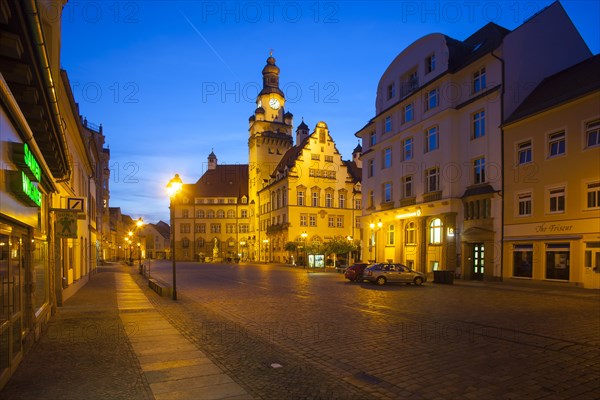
{"points": [[290, 247], [339, 245]]}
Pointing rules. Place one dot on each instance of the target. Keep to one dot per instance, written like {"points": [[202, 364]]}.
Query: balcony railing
{"points": [[432, 196], [409, 201]]}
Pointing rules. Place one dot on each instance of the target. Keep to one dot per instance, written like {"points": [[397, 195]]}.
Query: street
{"points": [[286, 333]]}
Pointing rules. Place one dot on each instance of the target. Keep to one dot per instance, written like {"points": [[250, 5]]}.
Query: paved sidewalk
{"points": [[109, 342]]}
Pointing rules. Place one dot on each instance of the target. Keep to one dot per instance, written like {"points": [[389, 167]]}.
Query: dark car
{"points": [[354, 273], [384, 273]]}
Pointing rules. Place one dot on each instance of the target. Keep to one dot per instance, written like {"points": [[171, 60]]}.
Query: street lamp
{"points": [[266, 243], [304, 235], [130, 241], [374, 238], [139, 223], [349, 239], [242, 245], [173, 188]]}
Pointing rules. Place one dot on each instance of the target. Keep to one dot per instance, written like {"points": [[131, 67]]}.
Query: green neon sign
{"points": [[31, 190], [32, 163]]}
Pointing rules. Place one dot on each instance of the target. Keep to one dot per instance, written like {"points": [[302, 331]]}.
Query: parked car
{"points": [[384, 273], [354, 273]]}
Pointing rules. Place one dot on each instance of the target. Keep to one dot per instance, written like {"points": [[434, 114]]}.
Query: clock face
{"points": [[274, 103]]}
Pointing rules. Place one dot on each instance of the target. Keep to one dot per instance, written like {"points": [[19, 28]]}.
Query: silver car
{"points": [[384, 273]]}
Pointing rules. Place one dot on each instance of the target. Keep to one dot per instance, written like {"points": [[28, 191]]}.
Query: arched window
{"points": [[230, 214], [200, 214], [210, 214], [185, 243], [200, 243], [435, 231], [220, 214], [411, 233]]}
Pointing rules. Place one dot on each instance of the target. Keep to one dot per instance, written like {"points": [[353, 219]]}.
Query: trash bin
{"points": [[443, 276]]}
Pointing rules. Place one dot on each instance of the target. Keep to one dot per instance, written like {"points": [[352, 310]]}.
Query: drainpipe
{"points": [[502, 92], [33, 18]]}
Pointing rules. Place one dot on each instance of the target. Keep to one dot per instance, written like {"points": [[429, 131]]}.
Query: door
{"points": [[11, 315], [478, 263]]}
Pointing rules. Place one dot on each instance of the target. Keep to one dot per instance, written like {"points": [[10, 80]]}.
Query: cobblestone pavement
{"points": [[85, 353], [338, 340]]}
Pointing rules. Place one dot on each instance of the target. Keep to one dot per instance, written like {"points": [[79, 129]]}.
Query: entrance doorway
{"points": [[11, 314], [478, 263]]}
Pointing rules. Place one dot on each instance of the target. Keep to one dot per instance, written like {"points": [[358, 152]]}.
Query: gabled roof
{"points": [[568, 84], [290, 157], [227, 180], [163, 228], [354, 171]]}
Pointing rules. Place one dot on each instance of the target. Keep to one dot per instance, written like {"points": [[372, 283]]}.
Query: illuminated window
{"points": [[391, 235], [435, 231], [411, 233]]}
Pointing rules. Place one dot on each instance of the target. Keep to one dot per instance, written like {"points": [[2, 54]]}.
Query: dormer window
{"points": [[391, 90], [430, 63]]}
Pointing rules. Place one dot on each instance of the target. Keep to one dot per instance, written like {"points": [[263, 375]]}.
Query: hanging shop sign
{"points": [[66, 224], [23, 183]]}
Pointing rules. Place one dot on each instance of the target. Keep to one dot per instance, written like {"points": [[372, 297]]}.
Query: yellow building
{"points": [[312, 196], [552, 180], [211, 219], [249, 212]]}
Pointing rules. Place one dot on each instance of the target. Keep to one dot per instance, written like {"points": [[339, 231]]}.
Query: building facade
{"points": [[552, 180], [249, 212], [211, 217], [48, 180], [432, 159], [312, 196]]}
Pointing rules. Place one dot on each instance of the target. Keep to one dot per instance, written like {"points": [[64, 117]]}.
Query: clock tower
{"points": [[270, 137]]}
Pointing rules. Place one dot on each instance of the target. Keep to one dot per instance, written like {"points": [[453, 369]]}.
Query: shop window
{"points": [[523, 260], [557, 261]]}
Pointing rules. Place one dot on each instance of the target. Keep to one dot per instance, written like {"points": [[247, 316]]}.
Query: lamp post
{"points": [[349, 239], [139, 223], [242, 245], [130, 241], [374, 238], [304, 235], [173, 188], [266, 244]]}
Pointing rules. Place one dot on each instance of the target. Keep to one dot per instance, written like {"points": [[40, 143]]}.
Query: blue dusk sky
{"points": [[172, 80]]}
